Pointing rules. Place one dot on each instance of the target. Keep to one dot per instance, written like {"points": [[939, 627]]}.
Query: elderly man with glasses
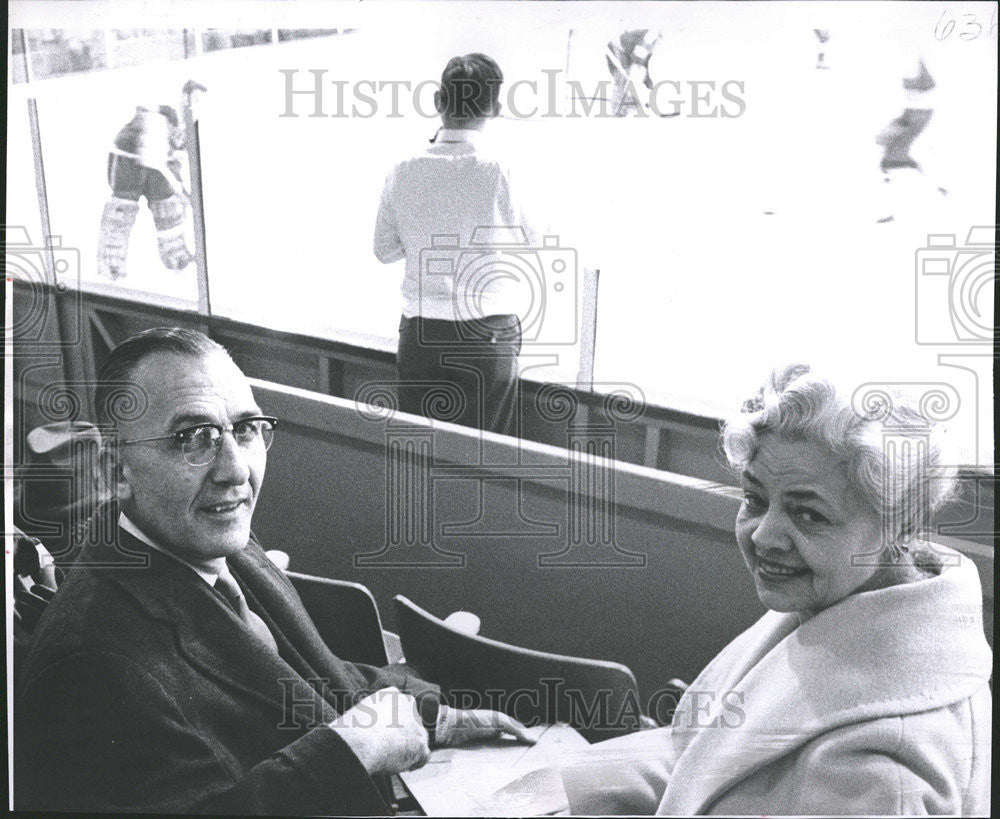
{"points": [[176, 669]]}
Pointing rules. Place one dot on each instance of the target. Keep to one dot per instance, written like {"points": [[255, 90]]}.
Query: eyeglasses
{"points": [[201, 443]]}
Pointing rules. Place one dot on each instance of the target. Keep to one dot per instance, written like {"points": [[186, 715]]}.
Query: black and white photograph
{"points": [[622, 375]]}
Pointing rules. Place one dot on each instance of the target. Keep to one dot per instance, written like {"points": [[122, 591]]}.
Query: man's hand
{"points": [[385, 732], [458, 726]]}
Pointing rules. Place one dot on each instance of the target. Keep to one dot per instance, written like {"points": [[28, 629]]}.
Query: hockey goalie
{"points": [[147, 160]]}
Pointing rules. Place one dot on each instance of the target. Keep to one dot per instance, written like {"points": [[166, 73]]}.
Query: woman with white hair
{"points": [[865, 687]]}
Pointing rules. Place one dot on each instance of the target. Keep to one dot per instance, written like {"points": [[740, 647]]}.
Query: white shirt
{"points": [[431, 206]]}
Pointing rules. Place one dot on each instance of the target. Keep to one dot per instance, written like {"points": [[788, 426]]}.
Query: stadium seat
{"points": [[347, 618], [598, 698]]}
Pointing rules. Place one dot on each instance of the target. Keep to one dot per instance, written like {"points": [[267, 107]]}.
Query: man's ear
{"points": [[438, 102], [113, 473]]}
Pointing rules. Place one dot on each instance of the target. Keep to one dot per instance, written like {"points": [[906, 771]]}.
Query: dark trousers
{"points": [[464, 372]]}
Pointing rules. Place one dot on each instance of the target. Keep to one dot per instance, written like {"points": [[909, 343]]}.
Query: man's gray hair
{"points": [[114, 397]]}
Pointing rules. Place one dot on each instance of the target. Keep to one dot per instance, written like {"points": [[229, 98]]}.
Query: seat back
{"points": [[598, 698], [346, 616], [56, 487], [35, 582]]}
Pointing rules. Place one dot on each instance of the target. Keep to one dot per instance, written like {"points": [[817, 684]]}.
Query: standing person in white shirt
{"points": [[459, 335]]}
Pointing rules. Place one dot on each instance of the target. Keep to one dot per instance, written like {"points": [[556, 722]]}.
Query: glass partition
{"points": [[100, 199], [741, 212]]}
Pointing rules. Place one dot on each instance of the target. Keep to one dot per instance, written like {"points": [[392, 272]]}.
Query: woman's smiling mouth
{"points": [[772, 569]]}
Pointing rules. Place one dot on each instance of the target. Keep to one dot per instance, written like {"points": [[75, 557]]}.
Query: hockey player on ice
{"points": [[147, 159]]}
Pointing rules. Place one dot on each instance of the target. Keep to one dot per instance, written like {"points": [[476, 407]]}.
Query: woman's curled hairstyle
{"points": [[889, 450]]}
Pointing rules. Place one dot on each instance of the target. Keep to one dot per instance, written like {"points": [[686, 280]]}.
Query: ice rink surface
{"points": [[725, 244]]}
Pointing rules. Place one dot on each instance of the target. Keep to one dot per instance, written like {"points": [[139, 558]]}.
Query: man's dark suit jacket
{"points": [[143, 691]]}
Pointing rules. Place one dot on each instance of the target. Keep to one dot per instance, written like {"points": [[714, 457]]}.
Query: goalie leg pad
{"points": [[167, 213], [168, 216], [116, 227]]}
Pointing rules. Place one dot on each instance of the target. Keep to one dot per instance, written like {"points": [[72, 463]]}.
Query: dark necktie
{"points": [[227, 584]]}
